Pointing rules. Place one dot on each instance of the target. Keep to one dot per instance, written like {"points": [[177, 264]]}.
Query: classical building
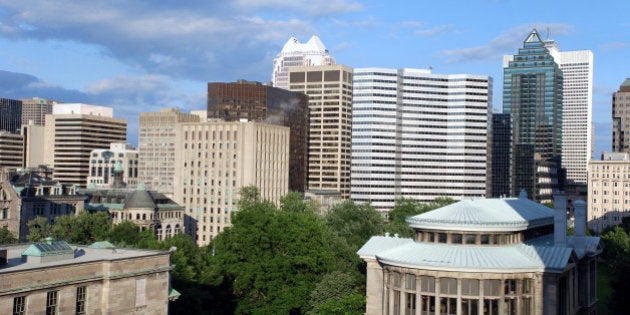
{"points": [[56, 278], [419, 135], [533, 96], [34, 110], [29, 193], [252, 101], [72, 132], [11, 150], [10, 115], [213, 160], [103, 162], [621, 118], [296, 54], [500, 156], [608, 190], [485, 256], [156, 148], [329, 90]]}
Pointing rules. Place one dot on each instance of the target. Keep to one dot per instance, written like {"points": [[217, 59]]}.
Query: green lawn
{"points": [[603, 289]]}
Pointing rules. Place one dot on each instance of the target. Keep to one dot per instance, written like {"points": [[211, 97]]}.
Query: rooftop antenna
{"points": [[547, 33]]}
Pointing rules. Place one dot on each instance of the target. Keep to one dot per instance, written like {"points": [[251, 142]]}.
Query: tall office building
{"points": [[72, 131], [103, 164], [11, 150], [214, 160], [418, 135], [34, 110], [501, 156], [532, 94], [253, 101], [10, 115], [329, 89], [156, 148], [295, 54], [621, 118]]}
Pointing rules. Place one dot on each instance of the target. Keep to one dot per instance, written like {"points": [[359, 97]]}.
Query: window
{"points": [[427, 284], [492, 287], [51, 303], [448, 286], [470, 287], [81, 297], [410, 282], [19, 305], [456, 238]]}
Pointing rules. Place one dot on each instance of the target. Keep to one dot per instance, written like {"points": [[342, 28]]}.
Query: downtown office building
{"points": [[418, 135]]}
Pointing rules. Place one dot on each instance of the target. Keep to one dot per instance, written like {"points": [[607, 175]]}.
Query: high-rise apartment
{"points": [[329, 89], [156, 148], [418, 135], [501, 156], [532, 94], [10, 115], [214, 160], [253, 101], [621, 118], [72, 131], [11, 150], [608, 190], [34, 110], [295, 54]]}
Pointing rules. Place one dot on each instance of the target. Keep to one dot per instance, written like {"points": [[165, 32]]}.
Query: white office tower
{"points": [[577, 105], [418, 135], [293, 54]]}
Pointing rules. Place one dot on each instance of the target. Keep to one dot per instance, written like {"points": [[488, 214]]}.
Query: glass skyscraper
{"points": [[532, 95]]}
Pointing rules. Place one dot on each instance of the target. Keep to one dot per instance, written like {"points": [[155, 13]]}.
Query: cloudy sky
{"points": [[143, 55]]}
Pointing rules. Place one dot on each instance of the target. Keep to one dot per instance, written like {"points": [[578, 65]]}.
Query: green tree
{"points": [[125, 234], [617, 244], [351, 304], [6, 237], [334, 286], [294, 202], [355, 223], [39, 229], [250, 195], [407, 207]]}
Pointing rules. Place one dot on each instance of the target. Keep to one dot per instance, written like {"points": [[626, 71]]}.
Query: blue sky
{"points": [[143, 55]]}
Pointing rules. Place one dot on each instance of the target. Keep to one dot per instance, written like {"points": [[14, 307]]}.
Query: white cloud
{"points": [[437, 30]]}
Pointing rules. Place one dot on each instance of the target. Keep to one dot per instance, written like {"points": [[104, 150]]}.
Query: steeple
{"points": [[118, 182], [533, 37]]}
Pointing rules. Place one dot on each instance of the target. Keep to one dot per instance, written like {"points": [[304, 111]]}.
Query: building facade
{"points": [[34, 110], [621, 118], [156, 148], [418, 135], [296, 54], [11, 150], [485, 256], [103, 162], [501, 156], [532, 95], [329, 89], [608, 190], [72, 132], [56, 278], [214, 160], [10, 115], [253, 101]]}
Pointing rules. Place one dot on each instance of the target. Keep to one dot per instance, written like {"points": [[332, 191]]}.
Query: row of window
{"points": [[52, 303]]}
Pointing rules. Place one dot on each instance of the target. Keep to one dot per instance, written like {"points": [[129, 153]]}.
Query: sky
{"points": [[143, 55]]}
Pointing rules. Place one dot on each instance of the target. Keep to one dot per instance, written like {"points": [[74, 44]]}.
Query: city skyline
{"points": [[142, 57]]}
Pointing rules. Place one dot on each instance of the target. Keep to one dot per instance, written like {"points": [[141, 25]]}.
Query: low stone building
{"points": [[56, 278], [485, 256]]}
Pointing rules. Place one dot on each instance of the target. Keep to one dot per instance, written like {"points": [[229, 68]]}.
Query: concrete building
{"points": [[621, 118], [56, 278], [419, 135], [10, 115], [103, 162], [214, 160], [329, 89], [156, 148], [608, 190], [485, 256], [34, 144], [72, 132], [533, 96], [252, 101], [34, 110], [296, 54], [11, 150]]}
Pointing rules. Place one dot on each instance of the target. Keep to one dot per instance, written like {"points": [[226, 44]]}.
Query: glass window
{"points": [[448, 285], [471, 239], [80, 304], [510, 286], [410, 282], [492, 287], [441, 237], [19, 305], [410, 307], [485, 239], [395, 279], [427, 284], [456, 238], [51, 303], [527, 286], [470, 306], [470, 287]]}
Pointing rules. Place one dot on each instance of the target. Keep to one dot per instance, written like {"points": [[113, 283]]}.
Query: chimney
{"points": [[579, 209], [560, 221]]}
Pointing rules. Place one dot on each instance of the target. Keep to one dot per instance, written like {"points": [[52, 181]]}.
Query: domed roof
{"points": [[139, 199]]}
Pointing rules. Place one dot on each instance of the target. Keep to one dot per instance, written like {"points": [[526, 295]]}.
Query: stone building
{"points": [[608, 190], [56, 278], [485, 256]]}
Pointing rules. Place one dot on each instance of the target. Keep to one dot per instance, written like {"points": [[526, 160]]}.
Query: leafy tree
{"points": [[351, 304], [250, 195], [334, 286], [355, 223], [124, 234], [38, 229], [617, 243], [294, 202], [6, 237], [407, 207]]}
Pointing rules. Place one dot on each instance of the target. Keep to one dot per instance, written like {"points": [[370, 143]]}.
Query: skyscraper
{"points": [[11, 150], [253, 101], [35, 110], [72, 131], [10, 115], [501, 155], [532, 94], [418, 135], [295, 54], [329, 89], [621, 118], [156, 148]]}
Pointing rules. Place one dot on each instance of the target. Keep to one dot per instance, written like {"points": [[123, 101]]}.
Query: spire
{"points": [[533, 37]]}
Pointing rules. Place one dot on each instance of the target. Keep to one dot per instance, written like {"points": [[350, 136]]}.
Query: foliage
{"points": [[6, 237], [334, 286], [355, 223], [294, 202], [38, 229], [617, 243], [249, 195], [407, 207], [124, 234], [352, 304]]}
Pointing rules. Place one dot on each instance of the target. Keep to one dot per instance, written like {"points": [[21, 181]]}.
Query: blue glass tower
{"points": [[532, 95]]}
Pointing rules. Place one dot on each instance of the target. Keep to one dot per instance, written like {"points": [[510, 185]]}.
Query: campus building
{"points": [[485, 256]]}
